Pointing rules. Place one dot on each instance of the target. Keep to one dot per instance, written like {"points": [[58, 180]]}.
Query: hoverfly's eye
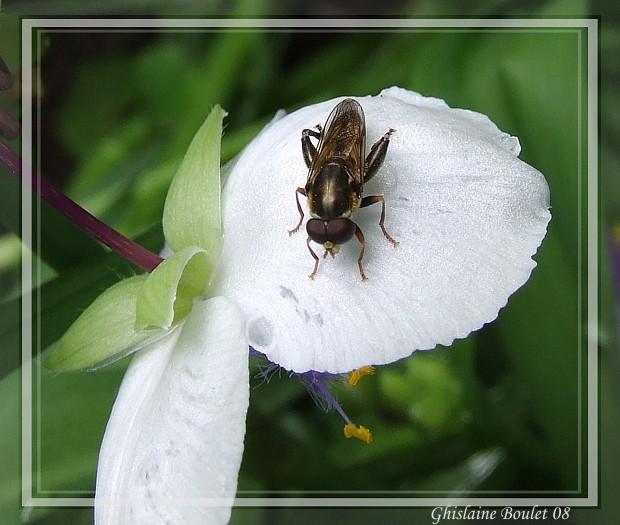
{"points": [[316, 230], [340, 230]]}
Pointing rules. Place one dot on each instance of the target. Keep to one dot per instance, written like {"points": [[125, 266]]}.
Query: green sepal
{"points": [[192, 210], [169, 290], [104, 332]]}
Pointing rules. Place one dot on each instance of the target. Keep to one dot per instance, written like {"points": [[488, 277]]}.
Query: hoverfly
{"points": [[338, 171]]}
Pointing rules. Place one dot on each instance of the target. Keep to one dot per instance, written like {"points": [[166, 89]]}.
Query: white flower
{"points": [[173, 444], [467, 212]]}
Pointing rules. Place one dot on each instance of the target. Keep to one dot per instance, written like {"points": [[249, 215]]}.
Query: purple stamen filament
{"points": [[315, 383]]}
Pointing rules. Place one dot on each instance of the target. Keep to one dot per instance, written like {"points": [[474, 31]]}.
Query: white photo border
{"points": [[509, 24]]}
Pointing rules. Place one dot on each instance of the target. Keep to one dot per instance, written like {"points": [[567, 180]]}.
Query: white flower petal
{"points": [[173, 444], [467, 212]]}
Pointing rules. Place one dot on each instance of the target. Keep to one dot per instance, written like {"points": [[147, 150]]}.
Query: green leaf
{"points": [[10, 447], [426, 391], [547, 360], [67, 449], [468, 476], [58, 302], [169, 290], [192, 209], [10, 24], [69, 414], [104, 332]]}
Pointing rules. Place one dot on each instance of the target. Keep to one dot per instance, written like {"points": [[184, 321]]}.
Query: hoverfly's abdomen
{"points": [[331, 195]]}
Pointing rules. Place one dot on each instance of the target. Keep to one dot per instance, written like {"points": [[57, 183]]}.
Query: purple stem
{"points": [[132, 251]]}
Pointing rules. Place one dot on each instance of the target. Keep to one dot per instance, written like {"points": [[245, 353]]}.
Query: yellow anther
{"points": [[356, 375], [361, 433]]}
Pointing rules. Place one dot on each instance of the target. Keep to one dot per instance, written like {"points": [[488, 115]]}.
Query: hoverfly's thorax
{"points": [[333, 193]]}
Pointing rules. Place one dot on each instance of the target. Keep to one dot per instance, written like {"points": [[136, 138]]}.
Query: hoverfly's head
{"points": [[331, 234]]}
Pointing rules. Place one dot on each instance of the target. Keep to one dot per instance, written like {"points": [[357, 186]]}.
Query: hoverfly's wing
{"points": [[343, 140]]}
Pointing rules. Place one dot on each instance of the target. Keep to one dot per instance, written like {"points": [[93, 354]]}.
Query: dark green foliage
{"points": [[500, 412]]}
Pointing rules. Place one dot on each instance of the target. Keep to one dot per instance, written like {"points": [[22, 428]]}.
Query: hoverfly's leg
{"points": [[307, 148], [371, 199], [376, 155], [301, 211], [360, 237], [316, 259]]}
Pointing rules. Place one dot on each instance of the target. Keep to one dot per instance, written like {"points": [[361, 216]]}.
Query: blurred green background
{"points": [[502, 413]]}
